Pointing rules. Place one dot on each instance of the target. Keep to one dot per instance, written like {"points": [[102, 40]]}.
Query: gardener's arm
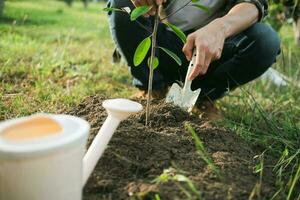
{"points": [[209, 40]]}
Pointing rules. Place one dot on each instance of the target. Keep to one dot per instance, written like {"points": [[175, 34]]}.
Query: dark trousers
{"points": [[245, 56]]}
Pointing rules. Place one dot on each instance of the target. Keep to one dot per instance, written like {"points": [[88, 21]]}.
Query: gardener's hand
{"points": [[153, 3], [208, 43]]}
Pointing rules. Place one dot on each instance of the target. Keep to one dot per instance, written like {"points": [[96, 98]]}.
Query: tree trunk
{"points": [[69, 2], [85, 3], [1, 7]]}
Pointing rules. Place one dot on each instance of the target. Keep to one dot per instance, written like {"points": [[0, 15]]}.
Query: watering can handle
{"points": [[187, 82]]}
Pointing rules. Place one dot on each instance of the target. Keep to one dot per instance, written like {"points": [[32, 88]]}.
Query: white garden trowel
{"points": [[184, 97]]}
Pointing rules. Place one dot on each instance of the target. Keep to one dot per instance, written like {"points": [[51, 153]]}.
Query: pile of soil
{"points": [[137, 155]]}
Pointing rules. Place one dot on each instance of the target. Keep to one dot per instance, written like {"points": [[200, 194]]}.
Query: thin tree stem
{"points": [[151, 70]]}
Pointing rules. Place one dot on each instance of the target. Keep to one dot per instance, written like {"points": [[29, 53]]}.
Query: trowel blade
{"points": [[174, 94], [185, 100]]}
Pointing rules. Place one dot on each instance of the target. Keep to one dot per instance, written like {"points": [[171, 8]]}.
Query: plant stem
{"points": [[151, 70]]}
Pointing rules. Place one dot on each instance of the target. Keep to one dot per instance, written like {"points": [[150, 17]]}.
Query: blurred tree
{"points": [[85, 3], [69, 2], [1, 7], [285, 11]]}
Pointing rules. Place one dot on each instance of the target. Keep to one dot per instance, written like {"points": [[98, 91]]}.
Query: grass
{"points": [[180, 180], [202, 151], [258, 169], [53, 56], [270, 117]]}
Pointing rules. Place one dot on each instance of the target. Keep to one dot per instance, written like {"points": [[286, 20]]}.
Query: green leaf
{"points": [[177, 31], [141, 51], [112, 9], [258, 168], [172, 55], [181, 178], [155, 62], [202, 7], [138, 11], [157, 197]]}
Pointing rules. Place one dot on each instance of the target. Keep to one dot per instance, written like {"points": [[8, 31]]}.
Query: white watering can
{"points": [[54, 167]]}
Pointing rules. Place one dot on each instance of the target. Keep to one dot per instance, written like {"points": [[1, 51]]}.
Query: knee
{"points": [[266, 43], [119, 3], [119, 18]]}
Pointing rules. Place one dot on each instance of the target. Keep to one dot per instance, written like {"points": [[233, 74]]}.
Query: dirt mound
{"points": [[137, 155]]}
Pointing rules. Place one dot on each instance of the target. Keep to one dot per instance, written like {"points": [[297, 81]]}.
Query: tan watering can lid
{"points": [[40, 134]]}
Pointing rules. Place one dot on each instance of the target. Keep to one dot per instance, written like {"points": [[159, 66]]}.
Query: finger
{"points": [[149, 2], [136, 3], [207, 62], [188, 47], [159, 2], [142, 2], [154, 4], [152, 11], [218, 54], [199, 63]]}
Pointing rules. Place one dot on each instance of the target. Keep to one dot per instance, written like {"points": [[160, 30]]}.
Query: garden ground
{"points": [[56, 59]]}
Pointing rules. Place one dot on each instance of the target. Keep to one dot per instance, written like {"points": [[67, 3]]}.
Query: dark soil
{"points": [[136, 155]]}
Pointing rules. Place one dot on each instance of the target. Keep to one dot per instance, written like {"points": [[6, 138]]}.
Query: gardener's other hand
{"points": [[153, 3], [208, 43]]}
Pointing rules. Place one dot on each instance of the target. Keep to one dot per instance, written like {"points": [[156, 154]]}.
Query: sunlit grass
{"points": [[269, 116], [53, 56], [181, 181]]}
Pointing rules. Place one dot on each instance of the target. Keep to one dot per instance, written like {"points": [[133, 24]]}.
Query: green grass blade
{"points": [[294, 182]]}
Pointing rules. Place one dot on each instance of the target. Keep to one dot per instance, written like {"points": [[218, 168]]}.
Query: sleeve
{"points": [[262, 6]]}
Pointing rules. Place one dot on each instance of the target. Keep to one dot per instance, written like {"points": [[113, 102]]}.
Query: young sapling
{"points": [[150, 42]]}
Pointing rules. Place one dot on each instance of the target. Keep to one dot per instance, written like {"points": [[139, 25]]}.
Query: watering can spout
{"points": [[117, 110]]}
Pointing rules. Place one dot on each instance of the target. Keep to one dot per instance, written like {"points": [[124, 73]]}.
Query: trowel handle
{"points": [[187, 82]]}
